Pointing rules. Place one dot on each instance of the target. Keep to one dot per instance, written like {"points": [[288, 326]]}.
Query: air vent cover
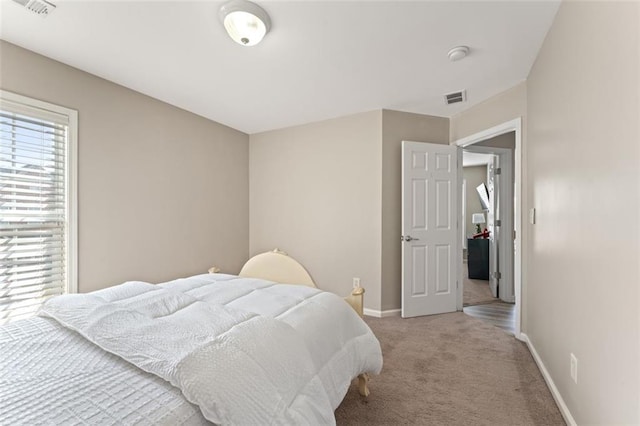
{"points": [[39, 7], [454, 98]]}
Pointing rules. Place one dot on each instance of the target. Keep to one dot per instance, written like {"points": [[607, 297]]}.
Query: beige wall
{"points": [[506, 140], [163, 193], [316, 193], [329, 194], [499, 109], [474, 175], [396, 127], [583, 157]]}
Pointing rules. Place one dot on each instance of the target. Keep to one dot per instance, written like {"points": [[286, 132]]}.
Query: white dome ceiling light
{"points": [[458, 53], [245, 22]]}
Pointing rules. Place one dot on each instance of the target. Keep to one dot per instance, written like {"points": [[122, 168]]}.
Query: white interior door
{"points": [[429, 228], [492, 217]]}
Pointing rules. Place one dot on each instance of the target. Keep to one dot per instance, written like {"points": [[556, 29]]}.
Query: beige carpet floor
{"points": [[476, 292], [450, 369]]}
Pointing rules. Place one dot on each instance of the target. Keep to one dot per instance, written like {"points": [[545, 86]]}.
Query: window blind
{"points": [[34, 219]]}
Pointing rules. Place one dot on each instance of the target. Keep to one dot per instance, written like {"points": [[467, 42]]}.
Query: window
{"points": [[38, 221]]}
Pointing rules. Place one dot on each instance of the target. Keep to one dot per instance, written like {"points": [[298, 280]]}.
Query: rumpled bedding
{"points": [[245, 351]]}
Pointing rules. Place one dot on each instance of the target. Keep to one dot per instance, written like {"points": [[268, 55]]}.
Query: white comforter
{"points": [[246, 351]]}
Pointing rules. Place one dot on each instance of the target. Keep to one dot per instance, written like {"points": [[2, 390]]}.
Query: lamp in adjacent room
{"points": [[245, 22], [477, 219]]}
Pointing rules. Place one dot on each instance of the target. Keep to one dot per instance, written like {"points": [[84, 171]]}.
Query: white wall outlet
{"points": [[532, 216], [574, 368], [356, 282]]}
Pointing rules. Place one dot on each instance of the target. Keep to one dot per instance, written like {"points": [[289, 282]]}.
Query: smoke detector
{"points": [[458, 53], [39, 7], [455, 97]]}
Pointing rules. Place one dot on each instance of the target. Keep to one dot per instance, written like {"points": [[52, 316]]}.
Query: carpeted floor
{"points": [[450, 369], [476, 292]]}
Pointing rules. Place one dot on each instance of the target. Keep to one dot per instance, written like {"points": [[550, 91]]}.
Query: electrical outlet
{"points": [[356, 282], [574, 368]]}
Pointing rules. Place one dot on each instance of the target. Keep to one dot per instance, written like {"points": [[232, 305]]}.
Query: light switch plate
{"points": [[574, 368], [532, 216]]}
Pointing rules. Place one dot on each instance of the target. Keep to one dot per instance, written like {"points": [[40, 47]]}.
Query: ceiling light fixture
{"points": [[458, 53], [246, 22]]}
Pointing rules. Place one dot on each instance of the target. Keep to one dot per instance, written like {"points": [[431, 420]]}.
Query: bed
{"points": [[263, 347]]}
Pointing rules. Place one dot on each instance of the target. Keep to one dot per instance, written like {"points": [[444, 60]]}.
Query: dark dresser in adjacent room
{"points": [[478, 258]]}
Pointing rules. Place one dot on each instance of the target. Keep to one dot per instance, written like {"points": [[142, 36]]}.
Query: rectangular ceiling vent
{"points": [[454, 98], [39, 7]]}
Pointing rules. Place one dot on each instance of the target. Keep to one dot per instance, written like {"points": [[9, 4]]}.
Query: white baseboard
{"points": [[381, 314], [511, 299], [564, 410]]}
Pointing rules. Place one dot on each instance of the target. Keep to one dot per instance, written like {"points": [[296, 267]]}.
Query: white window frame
{"points": [[71, 177]]}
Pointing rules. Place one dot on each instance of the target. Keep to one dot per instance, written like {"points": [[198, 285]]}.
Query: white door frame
{"points": [[463, 212], [505, 188], [516, 127]]}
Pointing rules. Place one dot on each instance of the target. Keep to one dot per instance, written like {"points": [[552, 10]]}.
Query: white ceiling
{"points": [[322, 59]]}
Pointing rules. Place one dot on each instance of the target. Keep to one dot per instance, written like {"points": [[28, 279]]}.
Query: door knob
{"points": [[409, 238]]}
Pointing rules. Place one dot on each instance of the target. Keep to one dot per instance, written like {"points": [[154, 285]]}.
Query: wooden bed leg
{"points": [[363, 379], [356, 300]]}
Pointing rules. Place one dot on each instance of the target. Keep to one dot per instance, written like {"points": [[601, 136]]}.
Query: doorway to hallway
{"points": [[489, 296]]}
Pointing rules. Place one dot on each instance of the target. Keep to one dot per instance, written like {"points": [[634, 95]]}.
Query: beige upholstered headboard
{"points": [[276, 266]]}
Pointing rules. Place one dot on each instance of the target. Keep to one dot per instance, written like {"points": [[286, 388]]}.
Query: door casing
{"points": [[515, 126], [506, 252]]}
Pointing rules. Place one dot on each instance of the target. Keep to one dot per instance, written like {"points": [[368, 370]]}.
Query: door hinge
{"points": [[497, 275], [498, 171], [498, 222]]}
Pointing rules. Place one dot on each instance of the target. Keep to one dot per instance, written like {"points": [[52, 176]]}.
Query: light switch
{"points": [[532, 216]]}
